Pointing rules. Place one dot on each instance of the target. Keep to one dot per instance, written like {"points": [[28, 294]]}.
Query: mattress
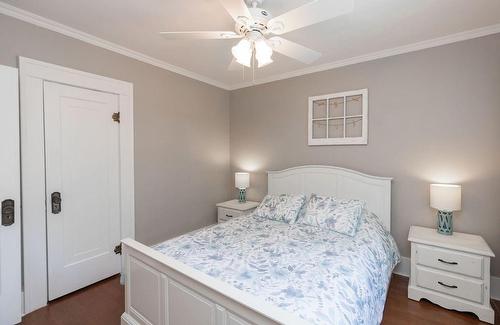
{"points": [[319, 275]]}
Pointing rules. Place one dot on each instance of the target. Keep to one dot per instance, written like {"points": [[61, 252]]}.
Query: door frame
{"points": [[32, 74], [10, 188]]}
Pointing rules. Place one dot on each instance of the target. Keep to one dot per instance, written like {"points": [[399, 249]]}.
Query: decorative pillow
{"points": [[282, 207], [342, 216]]}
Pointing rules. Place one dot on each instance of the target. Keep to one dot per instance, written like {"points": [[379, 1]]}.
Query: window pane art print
{"points": [[319, 110], [338, 119]]}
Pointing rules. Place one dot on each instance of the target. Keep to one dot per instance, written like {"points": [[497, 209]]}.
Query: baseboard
{"points": [[403, 268], [495, 287], [126, 319]]}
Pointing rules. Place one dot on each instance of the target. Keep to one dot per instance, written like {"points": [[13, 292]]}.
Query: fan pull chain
{"points": [[253, 68]]}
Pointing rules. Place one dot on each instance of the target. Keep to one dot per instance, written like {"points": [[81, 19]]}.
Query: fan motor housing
{"points": [[254, 3], [256, 23], [260, 15]]}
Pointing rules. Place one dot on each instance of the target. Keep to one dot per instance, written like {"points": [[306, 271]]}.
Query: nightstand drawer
{"points": [[233, 209], [227, 214], [449, 284], [453, 261]]}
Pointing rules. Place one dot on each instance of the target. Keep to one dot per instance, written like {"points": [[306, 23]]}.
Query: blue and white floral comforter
{"points": [[319, 275]]}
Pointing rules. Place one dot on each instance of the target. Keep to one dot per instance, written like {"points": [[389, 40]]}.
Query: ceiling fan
{"points": [[254, 25]]}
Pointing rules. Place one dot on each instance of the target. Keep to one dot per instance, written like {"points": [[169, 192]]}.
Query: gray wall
{"points": [[181, 129], [434, 116]]}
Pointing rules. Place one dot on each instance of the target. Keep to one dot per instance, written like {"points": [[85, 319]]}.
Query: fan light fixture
{"points": [[244, 50], [255, 26], [263, 52]]}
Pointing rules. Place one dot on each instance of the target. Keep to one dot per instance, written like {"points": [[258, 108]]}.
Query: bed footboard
{"points": [[160, 290]]}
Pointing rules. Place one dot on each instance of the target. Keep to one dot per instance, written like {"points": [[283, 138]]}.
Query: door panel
{"points": [[82, 164], [10, 232]]}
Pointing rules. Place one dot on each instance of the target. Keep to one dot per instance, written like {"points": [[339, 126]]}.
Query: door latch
{"points": [[7, 212], [56, 202]]}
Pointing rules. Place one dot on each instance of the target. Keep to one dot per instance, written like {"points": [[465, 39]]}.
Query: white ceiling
{"points": [[374, 25]]}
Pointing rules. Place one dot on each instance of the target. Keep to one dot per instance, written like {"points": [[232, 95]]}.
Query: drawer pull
{"points": [[446, 262], [447, 285], [229, 216]]}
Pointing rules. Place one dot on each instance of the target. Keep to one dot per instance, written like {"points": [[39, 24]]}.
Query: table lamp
{"points": [[446, 198], [242, 182]]}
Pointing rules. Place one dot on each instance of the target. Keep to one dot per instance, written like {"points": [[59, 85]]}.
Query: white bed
{"points": [[160, 289]]}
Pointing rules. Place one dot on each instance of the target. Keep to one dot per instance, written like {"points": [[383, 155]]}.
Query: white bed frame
{"points": [[160, 290]]}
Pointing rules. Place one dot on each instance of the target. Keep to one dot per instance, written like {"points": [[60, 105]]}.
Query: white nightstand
{"points": [[451, 271], [232, 209]]}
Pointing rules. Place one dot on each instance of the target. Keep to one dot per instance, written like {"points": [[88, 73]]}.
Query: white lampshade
{"points": [[263, 53], [241, 180], [242, 52], [446, 197]]}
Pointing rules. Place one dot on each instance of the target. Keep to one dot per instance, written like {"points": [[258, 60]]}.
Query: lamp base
{"points": [[445, 222], [243, 195]]}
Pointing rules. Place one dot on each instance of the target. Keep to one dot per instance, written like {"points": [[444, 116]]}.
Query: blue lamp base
{"points": [[243, 195], [445, 222]]}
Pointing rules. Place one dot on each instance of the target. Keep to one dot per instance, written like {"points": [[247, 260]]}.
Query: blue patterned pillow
{"points": [[280, 207], [342, 216]]}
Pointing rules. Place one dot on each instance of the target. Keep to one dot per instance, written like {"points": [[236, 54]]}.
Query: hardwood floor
{"points": [[99, 304], [401, 310], [102, 304]]}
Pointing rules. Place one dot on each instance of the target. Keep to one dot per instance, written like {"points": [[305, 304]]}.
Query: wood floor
{"points": [[102, 304], [401, 310], [99, 304]]}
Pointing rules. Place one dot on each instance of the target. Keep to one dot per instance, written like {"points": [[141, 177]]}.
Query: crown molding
{"points": [[54, 26], [452, 38]]}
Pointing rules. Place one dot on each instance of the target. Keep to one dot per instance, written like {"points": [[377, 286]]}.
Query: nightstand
{"points": [[232, 209], [451, 271]]}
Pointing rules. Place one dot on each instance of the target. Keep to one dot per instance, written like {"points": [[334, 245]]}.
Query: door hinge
{"points": [[116, 117], [118, 249]]}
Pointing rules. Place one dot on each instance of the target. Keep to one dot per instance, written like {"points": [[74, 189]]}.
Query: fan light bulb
{"points": [[242, 52], [263, 53]]}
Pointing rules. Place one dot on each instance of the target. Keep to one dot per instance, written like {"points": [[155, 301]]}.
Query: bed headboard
{"points": [[335, 181]]}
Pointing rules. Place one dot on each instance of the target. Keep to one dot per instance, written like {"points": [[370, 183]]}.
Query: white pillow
{"points": [[342, 216], [280, 207]]}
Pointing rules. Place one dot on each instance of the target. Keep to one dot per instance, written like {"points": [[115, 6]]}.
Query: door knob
{"points": [[8, 212], [56, 202]]}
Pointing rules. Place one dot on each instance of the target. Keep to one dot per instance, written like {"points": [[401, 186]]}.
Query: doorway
{"points": [[77, 178], [83, 186]]}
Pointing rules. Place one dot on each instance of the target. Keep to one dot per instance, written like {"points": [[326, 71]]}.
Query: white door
{"points": [[10, 226], [82, 171]]}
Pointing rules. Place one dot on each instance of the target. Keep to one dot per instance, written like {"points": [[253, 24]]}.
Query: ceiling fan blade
{"points": [[294, 50], [201, 35], [309, 14], [236, 8], [234, 66]]}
